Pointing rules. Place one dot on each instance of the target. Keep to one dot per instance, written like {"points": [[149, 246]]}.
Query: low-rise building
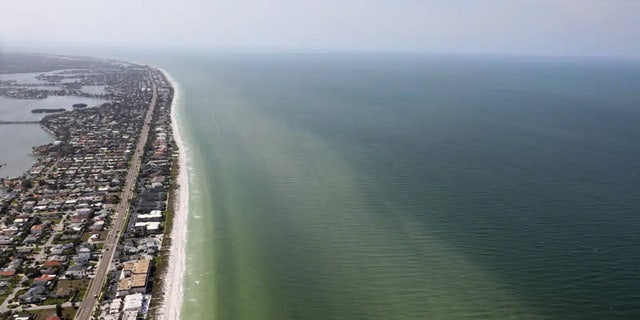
{"points": [[76, 271], [134, 277]]}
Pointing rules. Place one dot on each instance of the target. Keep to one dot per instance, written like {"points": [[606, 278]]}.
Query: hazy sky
{"points": [[601, 27]]}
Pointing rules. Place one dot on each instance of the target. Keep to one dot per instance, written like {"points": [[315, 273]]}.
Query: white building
{"points": [[154, 215]]}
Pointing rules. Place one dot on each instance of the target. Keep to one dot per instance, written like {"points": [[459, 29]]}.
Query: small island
{"points": [[52, 110]]}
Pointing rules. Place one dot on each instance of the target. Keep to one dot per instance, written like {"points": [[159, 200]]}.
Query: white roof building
{"points": [[154, 215], [150, 226], [133, 302], [115, 305]]}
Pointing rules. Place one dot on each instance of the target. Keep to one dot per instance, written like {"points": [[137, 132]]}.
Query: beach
{"points": [[171, 307]]}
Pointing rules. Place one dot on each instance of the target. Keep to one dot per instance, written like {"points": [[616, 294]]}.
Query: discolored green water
{"points": [[405, 187]]}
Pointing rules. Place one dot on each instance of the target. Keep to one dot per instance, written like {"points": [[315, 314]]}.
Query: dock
{"points": [[19, 122]]}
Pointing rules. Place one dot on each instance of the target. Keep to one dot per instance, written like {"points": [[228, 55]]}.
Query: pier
{"points": [[19, 122]]}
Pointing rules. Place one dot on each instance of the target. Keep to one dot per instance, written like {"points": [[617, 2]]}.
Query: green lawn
{"points": [[21, 292], [67, 313], [80, 285], [55, 301], [6, 292]]}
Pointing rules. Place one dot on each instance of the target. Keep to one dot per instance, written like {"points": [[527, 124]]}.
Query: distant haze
{"points": [[566, 27]]}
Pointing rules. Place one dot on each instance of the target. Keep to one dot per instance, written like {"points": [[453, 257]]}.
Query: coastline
{"points": [[171, 305], [20, 157], [94, 287]]}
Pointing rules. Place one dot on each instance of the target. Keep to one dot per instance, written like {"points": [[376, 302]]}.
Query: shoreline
{"points": [[171, 304], [122, 201]]}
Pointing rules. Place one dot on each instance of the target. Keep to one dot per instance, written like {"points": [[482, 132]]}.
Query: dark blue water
{"points": [[412, 187]]}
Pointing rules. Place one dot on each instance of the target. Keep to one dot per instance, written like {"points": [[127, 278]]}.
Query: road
{"points": [[4, 306], [95, 288], [42, 307]]}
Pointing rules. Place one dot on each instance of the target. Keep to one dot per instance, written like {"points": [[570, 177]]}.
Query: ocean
{"points": [[382, 186]]}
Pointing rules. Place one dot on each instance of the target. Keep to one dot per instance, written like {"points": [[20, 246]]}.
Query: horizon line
{"points": [[88, 50]]}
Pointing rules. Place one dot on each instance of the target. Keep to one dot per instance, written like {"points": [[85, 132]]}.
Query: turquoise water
{"points": [[407, 187]]}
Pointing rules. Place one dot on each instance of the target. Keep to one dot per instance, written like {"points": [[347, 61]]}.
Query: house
{"points": [[37, 293], [33, 238], [150, 245], [83, 256], [80, 260], [97, 226], [115, 305], [9, 273], [4, 240], [60, 248], [24, 250], [85, 252], [9, 231], [14, 266], [76, 271], [60, 258], [44, 279], [37, 229], [52, 264]]}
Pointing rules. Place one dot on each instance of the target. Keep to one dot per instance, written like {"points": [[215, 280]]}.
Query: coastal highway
{"points": [[95, 288]]}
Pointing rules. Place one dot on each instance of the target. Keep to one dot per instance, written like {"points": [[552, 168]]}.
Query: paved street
{"points": [[4, 306]]}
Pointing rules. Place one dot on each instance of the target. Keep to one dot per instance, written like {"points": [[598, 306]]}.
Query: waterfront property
{"points": [[56, 218]]}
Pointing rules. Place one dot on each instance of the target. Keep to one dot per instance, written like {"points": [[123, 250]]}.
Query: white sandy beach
{"points": [[171, 307]]}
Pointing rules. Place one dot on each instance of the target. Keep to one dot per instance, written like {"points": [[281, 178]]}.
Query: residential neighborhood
{"points": [[56, 220]]}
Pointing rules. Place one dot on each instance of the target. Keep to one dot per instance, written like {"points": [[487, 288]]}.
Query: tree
{"points": [[27, 184], [59, 310], [32, 272]]}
